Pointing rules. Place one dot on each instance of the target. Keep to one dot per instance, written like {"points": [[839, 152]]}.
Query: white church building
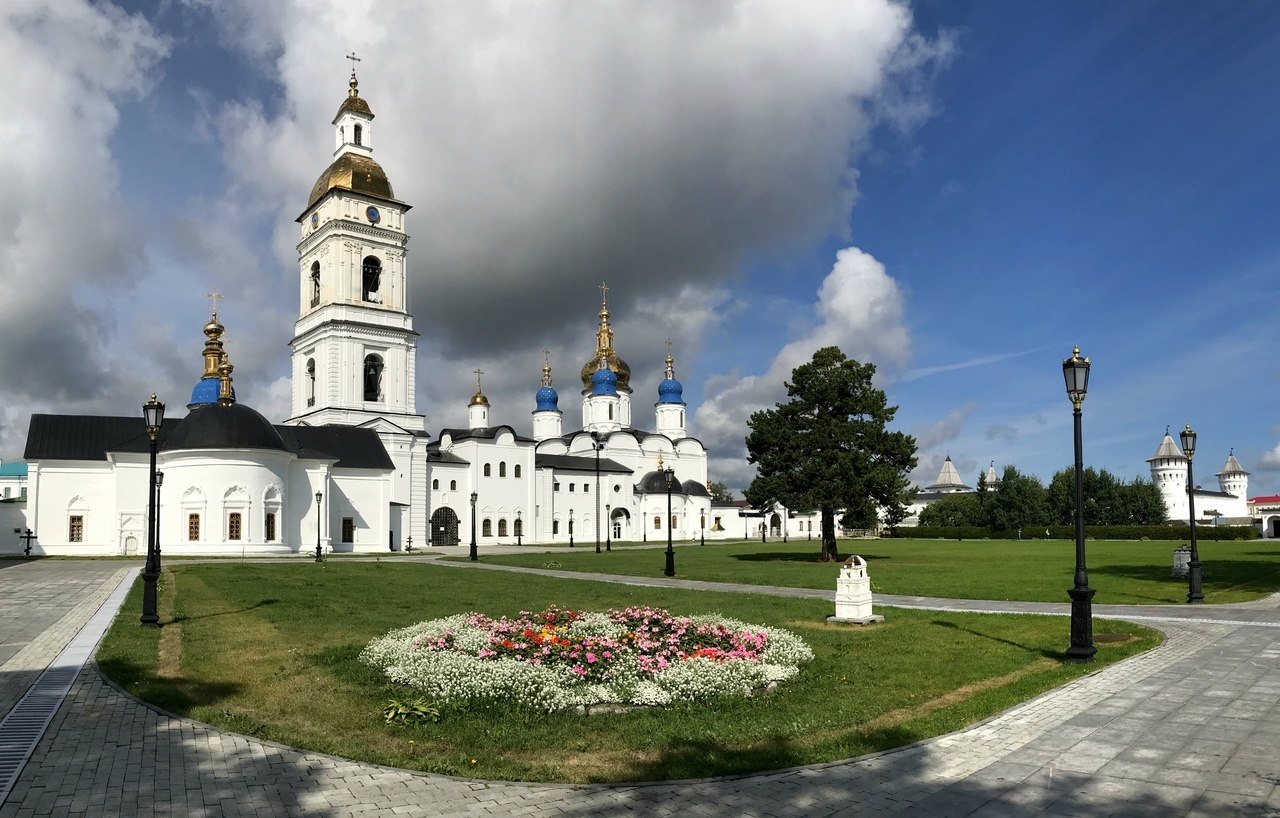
{"points": [[354, 467], [1228, 505]]}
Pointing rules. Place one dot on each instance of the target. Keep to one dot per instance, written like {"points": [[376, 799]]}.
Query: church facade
{"points": [[354, 468]]}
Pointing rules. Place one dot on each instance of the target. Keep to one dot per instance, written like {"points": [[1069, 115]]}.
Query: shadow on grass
{"points": [[1217, 576], [793, 556], [1048, 654], [178, 619], [177, 695]]}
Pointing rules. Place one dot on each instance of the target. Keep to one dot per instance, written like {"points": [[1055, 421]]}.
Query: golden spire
{"points": [[353, 84], [604, 336], [671, 372], [214, 354], [546, 368], [478, 399], [659, 461], [225, 395]]}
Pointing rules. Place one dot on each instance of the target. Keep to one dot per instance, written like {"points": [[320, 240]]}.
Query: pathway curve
{"points": [[1188, 729]]}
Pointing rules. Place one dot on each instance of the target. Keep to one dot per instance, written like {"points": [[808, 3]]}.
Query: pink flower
{"points": [[591, 658]]}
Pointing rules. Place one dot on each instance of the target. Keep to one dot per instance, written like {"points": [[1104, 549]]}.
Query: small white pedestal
{"points": [[853, 595]]}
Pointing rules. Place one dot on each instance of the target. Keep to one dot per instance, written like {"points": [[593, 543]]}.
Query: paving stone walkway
{"points": [[1191, 728]]}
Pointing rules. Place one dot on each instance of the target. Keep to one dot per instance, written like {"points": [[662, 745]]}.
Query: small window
{"points": [[488, 471], [269, 527], [611, 411], [673, 522], [571, 528], [315, 284], [311, 382], [617, 488], [517, 471], [486, 528], [502, 469], [657, 523], [193, 527], [75, 530], [519, 527], [348, 529], [373, 378], [435, 485], [555, 527], [555, 487], [502, 528], [453, 485], [233, 525], [359, 135], [586, 488], [372, 280], [571, 485]]}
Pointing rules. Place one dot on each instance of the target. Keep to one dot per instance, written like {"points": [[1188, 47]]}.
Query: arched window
{"points": [[315, 283], [373, 379], [571, 528], [453, 485], [502, 528], [517, 473], [519, 527], [486, 528], [488, 471], [372, 280], [359, 135], [435, 485], [674, 524], [611, 411], [502, 469], [234, 524], [311, 382], [657, 522], [555, 527]]}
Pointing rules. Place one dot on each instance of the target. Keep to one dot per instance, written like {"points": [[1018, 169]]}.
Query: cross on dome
{"points": [[213, 298]]}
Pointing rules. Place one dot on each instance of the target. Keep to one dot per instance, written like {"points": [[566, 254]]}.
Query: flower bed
{"points": [[560, 659]]}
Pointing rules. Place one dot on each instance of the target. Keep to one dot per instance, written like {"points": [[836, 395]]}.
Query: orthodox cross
{"points": [[213, 297], [546, 353], [28, 536], [604, 293], [478, 372], [668, 347], [354, 59]]}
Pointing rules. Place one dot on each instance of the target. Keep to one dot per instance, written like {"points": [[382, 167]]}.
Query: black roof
{"points": [[569, 461], [655, 482], [695, 489], [436, 456], [91, 437], [224, 426], [482, 432]]}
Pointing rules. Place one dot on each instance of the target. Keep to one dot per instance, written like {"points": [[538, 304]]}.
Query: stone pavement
{"points": [[1189, 729]]}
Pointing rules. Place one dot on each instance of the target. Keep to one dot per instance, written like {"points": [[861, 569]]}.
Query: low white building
{"points": [[1228, 505]]}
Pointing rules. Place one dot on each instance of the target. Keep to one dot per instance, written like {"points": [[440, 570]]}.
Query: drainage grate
{"points": [[22, 729]]}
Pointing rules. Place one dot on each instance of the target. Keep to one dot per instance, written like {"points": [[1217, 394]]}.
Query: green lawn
{"points": [[270, 650], [1122, 572]]}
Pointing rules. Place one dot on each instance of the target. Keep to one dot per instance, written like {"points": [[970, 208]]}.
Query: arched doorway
{"points": [[444, 527], [775, 525], [620, 521]]}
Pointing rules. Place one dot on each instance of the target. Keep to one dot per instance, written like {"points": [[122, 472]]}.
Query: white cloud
{"points": [[1270, 460], [859, 309]]}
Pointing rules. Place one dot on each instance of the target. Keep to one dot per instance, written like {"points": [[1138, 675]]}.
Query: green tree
{"points": [[1018, 503], [827, 448], [720, 493], [1107, 500], [955, 509]]}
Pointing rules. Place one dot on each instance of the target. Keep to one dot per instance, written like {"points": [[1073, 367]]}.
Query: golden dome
{"points": [[478, 399], [354, 172], [616, 364]]}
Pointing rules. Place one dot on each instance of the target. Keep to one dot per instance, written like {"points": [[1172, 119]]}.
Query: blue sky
{"points": [[958, 192]]}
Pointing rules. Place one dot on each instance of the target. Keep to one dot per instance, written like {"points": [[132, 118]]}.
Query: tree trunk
{"points": [[829, 553]]}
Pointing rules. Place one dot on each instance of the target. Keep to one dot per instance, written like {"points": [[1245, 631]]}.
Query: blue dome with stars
{"points": [[604, 382], [670, 391], [207, 391], [548, 400]]}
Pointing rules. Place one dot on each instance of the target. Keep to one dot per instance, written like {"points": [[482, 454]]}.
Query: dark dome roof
{"points": [[695, 489], [655, 482], [229, 426]]}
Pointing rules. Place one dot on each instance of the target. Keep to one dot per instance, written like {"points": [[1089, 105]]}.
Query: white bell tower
{"points": [[354, 344]]}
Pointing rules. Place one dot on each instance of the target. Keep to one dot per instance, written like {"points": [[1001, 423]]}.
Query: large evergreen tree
{"points": [[827, 448]]}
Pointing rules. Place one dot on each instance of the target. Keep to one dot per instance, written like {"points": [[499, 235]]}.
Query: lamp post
{"points": [[1075, 370], [571, 528], [319, 524], [519, 529], [608, 531], [595, 444], [153, 417], [669, 475], [474, 554], [1194, 593], [159, 483]]}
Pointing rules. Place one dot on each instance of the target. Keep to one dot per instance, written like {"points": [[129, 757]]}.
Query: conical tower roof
{"points": [[1232, 466], [948, 479], [1168, 450]]}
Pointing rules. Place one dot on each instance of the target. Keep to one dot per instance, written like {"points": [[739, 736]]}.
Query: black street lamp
{"points": [[475, 555], [1075, 370], [595, 444], [159, 483], [608, 532], [571, 528], [153, 417], [669, 475], [519, 529], [1194, 592], [319, 525]]}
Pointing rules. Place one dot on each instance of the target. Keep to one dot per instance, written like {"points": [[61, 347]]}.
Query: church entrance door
{"points": [[775, 525], [444, 527]]}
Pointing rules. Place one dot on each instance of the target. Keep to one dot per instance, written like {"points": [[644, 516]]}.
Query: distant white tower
{"points": [[548, 420], [669, 410], [948, 481], [1233, 479], [992, 480], [478, 409], [1169, 473]]}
